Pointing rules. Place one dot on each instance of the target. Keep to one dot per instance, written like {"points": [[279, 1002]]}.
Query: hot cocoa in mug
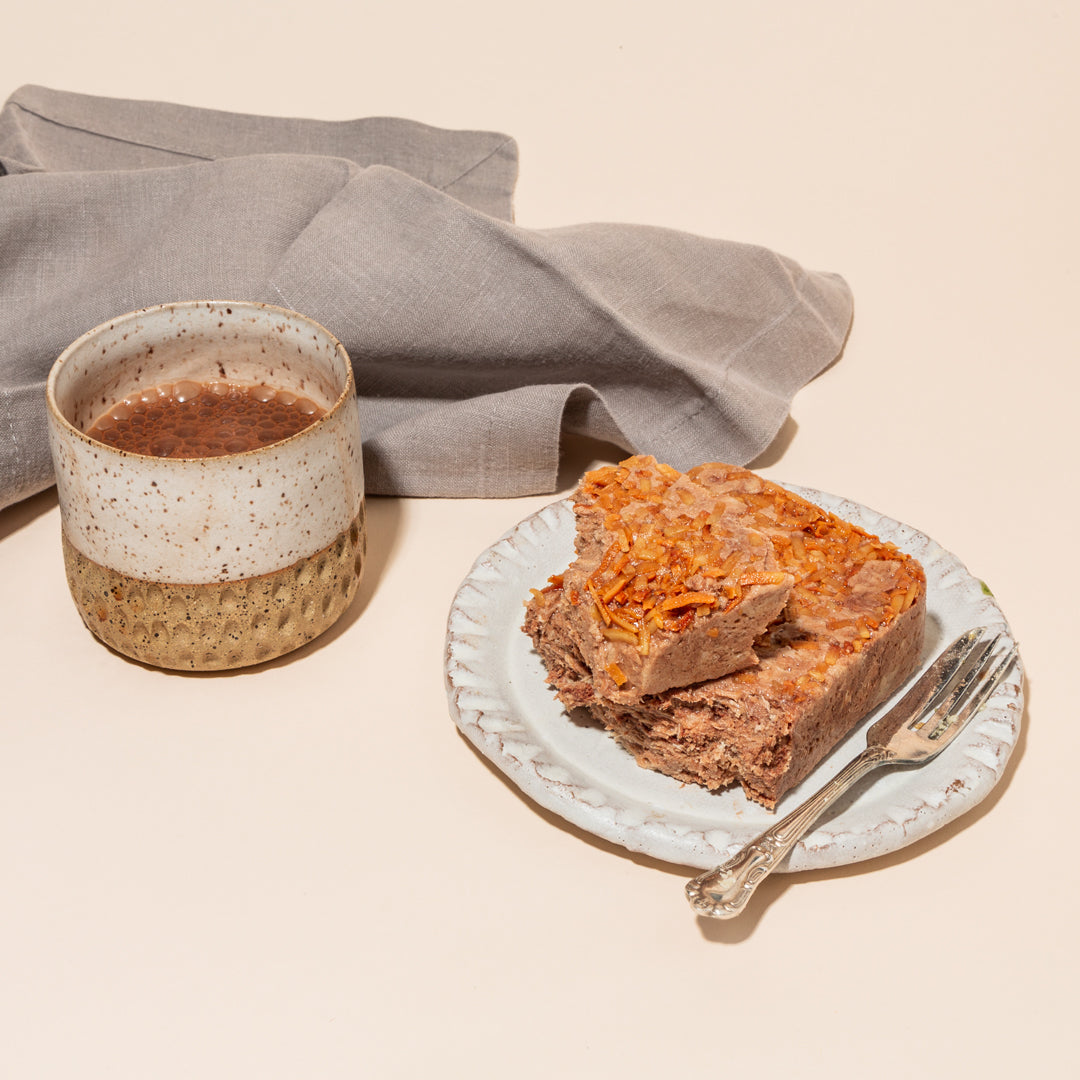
{"points": [[209, 472]]}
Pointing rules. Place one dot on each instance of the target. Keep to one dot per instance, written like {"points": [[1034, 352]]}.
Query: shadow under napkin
{"points": [[475, 342]]}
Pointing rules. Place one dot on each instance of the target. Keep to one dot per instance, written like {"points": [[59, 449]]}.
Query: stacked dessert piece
{"points": [[722, 628]]}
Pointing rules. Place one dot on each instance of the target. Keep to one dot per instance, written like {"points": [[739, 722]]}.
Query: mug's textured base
{"points": [[221, 625]]}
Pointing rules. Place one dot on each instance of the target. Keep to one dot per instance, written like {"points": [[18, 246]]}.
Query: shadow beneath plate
{"points": [[735, 931]]}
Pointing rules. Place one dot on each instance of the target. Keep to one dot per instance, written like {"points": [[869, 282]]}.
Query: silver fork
{"points": [[929, 716]]}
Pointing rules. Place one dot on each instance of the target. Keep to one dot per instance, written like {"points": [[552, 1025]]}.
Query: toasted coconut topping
{"points": [[663, 555], [650, 576], [825, 555]]}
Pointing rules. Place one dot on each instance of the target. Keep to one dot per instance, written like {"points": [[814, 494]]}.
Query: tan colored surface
{"points": [[302, 870]]}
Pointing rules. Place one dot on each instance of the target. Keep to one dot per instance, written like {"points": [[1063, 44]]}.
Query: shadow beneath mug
{"points": [[383, 527], [384, 515]]}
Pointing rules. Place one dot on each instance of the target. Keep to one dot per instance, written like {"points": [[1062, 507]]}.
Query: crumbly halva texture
{"points": [[816, 622]]}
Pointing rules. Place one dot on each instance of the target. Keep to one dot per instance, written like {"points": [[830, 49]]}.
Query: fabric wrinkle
{"points": [[475, 341]]}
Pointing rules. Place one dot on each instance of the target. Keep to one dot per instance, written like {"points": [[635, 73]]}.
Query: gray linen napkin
{"points": [[475, 342]]}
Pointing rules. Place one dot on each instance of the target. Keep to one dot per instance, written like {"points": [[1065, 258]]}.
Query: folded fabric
{"points": [[475, 342]]}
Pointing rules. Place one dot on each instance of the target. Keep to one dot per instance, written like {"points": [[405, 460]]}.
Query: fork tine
{"points": [[956, 687], [989, 676], [972, 669]]}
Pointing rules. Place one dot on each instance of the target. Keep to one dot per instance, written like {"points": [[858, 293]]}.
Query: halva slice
{"points": [[847, 634]]}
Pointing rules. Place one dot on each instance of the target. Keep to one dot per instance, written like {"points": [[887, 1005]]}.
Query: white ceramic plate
{"points": [[500, 701]]}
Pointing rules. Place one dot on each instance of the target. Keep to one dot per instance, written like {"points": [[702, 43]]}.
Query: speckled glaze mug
{"points": [[216, 562]]}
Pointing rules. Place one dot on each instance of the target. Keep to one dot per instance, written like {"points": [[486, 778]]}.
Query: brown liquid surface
{"points": [[198, 420]]}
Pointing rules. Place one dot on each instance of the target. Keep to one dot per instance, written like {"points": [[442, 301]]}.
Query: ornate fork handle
{"points": [[722, 893]]}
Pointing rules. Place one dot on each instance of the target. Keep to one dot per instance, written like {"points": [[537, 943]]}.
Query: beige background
{"points": [[303, 871]]}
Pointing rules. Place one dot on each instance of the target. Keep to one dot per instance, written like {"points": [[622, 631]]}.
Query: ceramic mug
{"points": [[204, 563]]}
